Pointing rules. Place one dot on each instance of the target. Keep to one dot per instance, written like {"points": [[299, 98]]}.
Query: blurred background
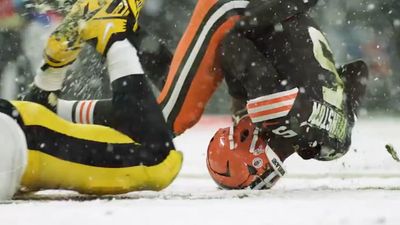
{"points": [[367, 29]]}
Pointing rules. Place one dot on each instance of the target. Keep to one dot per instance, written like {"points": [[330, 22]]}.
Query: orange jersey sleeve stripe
{"points": [[81, 112], [88, 112], [271, 111], [272, 101]]}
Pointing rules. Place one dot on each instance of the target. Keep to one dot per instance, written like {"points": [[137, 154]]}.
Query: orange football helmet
{"points": [[238, 158]]}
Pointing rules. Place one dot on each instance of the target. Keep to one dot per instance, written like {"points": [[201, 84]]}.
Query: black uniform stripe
{"points": [[89, 152], [9, 109], [114, 4], [111, 17], [73, 111]]}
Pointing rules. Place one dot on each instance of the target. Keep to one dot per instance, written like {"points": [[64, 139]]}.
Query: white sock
{"points": [[76, 111]]}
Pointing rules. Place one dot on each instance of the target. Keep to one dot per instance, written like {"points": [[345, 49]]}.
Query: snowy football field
{"points": [[362, 188]]}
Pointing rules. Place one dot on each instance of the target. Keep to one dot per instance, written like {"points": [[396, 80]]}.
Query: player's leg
{"points": [[134, 112], [244, 63], [86, 158], [195, 72], [133, 109], [194, 63]]}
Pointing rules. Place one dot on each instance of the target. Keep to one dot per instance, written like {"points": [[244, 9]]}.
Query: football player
{"points": [[289, 97]]}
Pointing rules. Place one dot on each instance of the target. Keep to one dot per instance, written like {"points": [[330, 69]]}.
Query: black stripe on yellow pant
{"points": [[90, 152], [85, 144]]}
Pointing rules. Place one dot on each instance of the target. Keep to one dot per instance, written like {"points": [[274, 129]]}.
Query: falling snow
{"points": [[360, 188]]}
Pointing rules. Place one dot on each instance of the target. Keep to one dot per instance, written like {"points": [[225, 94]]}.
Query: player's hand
{"points": [[37, 95]]}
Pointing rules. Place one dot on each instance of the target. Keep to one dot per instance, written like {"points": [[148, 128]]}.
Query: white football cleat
{"points": [[13, 156]]}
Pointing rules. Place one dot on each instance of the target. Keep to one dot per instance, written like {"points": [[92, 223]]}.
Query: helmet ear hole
{"points": [[244, 135], [252, 170]]}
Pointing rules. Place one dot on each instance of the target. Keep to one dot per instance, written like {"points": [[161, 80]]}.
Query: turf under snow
{"points": [[362, 188]]}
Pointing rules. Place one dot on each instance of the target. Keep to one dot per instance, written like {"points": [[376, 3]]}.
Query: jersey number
{"points": [[284, 132]]}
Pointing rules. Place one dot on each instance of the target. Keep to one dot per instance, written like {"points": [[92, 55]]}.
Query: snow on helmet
{"points": [[13, 156], [237, 158]]}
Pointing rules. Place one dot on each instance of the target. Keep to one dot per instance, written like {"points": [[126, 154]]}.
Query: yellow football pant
{"points": [[51, 166]]}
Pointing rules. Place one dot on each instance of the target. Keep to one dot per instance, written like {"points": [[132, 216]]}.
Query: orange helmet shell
{"points": [[237, 157]]}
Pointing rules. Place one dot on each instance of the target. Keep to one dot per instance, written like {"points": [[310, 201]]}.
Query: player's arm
{"points": [[133, 109]]}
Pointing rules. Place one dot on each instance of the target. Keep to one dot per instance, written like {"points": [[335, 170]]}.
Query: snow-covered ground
{"points": [[362, 188]]}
